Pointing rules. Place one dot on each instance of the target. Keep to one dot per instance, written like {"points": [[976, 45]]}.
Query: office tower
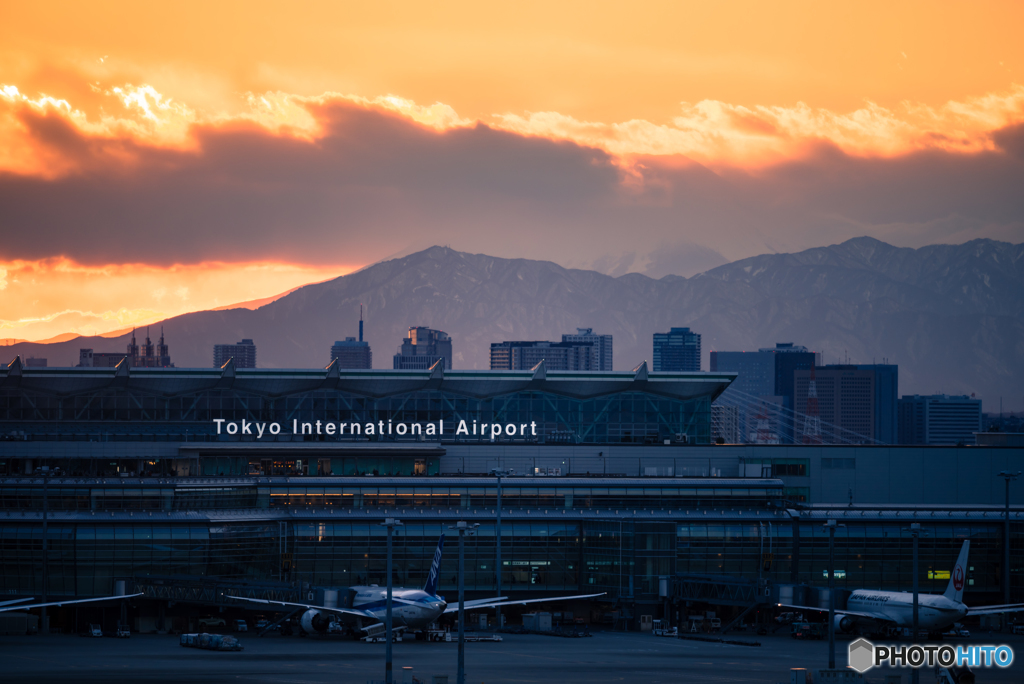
{"points": [[602, 346], [243, 353], [556, 355], [423, 348], [32, 362], [846, 400], [725, 424], [886, 402], [939, 419], [766, 374], [353, 353], [860, 398], [677, 350]]}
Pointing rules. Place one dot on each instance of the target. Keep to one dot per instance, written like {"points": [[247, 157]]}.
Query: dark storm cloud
{"points": [[375, 183]]}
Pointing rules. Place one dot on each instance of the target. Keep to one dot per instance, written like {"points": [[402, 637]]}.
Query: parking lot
{"points": [[605, 657]]}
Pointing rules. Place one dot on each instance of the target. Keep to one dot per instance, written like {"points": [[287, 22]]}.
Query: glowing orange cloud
{"points": [[41, 299], [712, 132]]}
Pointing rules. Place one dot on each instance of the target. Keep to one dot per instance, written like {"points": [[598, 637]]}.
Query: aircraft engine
{"points": [[845, 623], [314, 622]]}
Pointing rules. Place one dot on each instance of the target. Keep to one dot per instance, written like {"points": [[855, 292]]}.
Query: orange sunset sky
{"points": [[163, 158]]}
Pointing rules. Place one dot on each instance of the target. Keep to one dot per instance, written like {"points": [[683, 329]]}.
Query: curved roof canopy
{"points": [[369, 383]]}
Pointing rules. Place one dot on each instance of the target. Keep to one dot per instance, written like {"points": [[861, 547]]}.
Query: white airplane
{"points": [[9, 605], [414, 609], [876, 610]]}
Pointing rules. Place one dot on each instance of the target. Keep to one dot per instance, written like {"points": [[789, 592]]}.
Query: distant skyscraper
{"points": [[353, 353], [845, 398], [244, 354], [602, 346], [939, 419], [677, 350], [423, 348], [766, 374], [556, 355], [725, 424]]}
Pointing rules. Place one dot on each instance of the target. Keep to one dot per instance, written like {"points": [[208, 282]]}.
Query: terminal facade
{"points": [[620, 488]]}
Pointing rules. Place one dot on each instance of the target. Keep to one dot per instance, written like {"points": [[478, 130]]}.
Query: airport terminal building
{"points": [[611, 485]]}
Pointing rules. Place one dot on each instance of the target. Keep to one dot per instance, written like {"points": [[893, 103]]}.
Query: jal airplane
{"points": [[414, 609], [875, 610]]}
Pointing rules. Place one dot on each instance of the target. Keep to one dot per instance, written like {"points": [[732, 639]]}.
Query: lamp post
{"points": [[498, 473], [390, 524], [44, 619], [463, 527], [915, 532], [1008, 476], [831, 527]]}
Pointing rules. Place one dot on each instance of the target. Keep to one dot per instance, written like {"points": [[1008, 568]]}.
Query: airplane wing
{"points": [[6, 608], [995, 610], [870, 616], [490, 603], [309, 606], [7, 603]]}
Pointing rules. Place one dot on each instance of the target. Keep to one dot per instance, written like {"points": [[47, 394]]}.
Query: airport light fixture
{"points": [[463, 528], [498, 473], [1008, 476], [390, 524], [831, 526]]}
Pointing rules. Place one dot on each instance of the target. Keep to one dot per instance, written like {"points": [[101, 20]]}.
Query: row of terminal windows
{"points": [[235, 497], [616, 556]]}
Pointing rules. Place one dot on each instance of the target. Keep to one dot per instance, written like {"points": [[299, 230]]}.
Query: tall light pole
{"points": [[831, 527], [1007, 475], [498, 473], [915, 532], [391, 524], [44, 619], [463, 527]]}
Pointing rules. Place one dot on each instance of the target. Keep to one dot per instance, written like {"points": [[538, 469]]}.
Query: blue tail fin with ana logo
{"points": [[435, 568]]}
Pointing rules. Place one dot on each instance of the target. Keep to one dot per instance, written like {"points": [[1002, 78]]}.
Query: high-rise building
{"points": [[243, 353], [677, 350], [352, 353], [423, 348], [846, 400], [766, 374], [556, 355], [602, 346], [939, 419], [860, 398], [725, 424]]}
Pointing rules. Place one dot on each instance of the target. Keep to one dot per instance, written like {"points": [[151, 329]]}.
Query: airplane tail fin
{"points": [[958, 578], [435, 569]]}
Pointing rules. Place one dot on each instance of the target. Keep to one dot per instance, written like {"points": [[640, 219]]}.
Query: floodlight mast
{"points": [[463, 528], [390, 524]]}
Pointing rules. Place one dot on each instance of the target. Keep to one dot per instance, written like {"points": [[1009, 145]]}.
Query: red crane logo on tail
{"points": [[958, 578]]}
